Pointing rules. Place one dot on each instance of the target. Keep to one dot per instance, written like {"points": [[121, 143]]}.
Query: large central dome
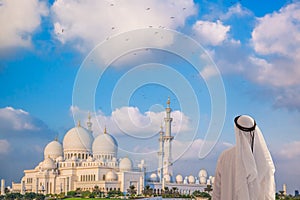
{"points": [[105, 146], [77, 141]]}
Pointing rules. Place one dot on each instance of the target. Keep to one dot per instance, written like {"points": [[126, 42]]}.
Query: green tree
{"points": [[208, 188], [85, 194], [197, 193], [115, 193], [13, 196], [148, 191], [96, 191], [40, 197], [131, 191], [71, 193], [29, 195]]}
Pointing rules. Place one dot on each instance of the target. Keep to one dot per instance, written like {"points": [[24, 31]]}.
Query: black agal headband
{"points": [[250, 129]]}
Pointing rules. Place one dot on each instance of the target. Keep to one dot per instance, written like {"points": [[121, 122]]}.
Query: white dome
{"points": [[202, 180], [179, 179], [125, 164], [191, 179], [212, 180], [153, 177], [111, 176], [167, 178], [78, 139], [105, 144], [48, 163], [203, 173], [53, 150]]}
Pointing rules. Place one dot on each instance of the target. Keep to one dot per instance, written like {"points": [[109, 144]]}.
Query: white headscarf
{"points": [[254, 178]]}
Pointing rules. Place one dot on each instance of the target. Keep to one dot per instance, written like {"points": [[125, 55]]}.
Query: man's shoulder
{"points": [[227, 153]]}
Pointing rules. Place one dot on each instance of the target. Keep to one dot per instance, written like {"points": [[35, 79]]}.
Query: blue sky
{"points": [[255, 46]]}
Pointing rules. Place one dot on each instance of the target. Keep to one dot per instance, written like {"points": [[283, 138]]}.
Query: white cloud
{"points": [[290, 150], [132, 121], [16, 119], [22, 139], [236, 10], [90, 22], [211, 33], [208, 71], [191, 149], [276, 38], [18, 21], [4, 147], [278, 32]]}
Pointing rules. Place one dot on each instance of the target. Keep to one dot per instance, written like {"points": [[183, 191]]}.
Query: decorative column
{"points": [[2, 186], [167, 140], [160, 155], [89, 123]]}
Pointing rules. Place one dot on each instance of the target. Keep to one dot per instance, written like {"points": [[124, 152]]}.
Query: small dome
{"points": [[111, 176], [167, 178], [48, 164], [125, 164], [53, 150], [202, 180], [208, 182], [78, 139], [105, 144], [191, 179], [179, 179], [203, 173], [153, 177]]}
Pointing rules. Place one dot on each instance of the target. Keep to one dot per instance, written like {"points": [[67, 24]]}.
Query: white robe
{"points": [[224, 183], [243, 175]]}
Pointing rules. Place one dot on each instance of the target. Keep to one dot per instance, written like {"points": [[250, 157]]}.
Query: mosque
{"points": [[84, 162]]}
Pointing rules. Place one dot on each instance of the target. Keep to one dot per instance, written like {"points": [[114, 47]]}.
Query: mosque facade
{"points": [[84, 162]]}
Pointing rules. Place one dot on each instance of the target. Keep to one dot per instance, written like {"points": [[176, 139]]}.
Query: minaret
{"points": [[160, 154], [167, 139], [2, 187], [89, 123], [284, 189]]}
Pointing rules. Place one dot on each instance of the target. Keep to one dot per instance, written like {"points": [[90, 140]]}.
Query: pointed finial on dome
{"points": [[56, 139], [78, 123], [89, 123], [105, 130], [168, 102], [89, 116]]}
